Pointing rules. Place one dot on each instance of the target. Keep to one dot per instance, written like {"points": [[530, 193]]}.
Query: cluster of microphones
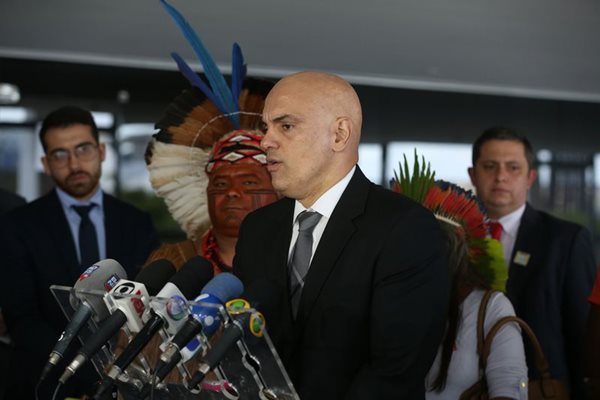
{"points": [[186, 307]]}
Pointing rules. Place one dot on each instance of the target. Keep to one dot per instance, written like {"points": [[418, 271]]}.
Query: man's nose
{"points": [[233, 192], [73, 161], [501, 174], [268, 140]]}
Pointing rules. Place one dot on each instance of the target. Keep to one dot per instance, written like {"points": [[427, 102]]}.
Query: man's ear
{"points": [[102, 151], [45, 165], [471, 172], [343, 132], [531, 177]]}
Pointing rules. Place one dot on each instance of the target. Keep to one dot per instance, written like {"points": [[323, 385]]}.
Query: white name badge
{"points": [[521, 258]]}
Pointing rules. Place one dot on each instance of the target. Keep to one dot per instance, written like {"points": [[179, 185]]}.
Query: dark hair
{"points": [[464, 278], [503, 133], [67, 116]]}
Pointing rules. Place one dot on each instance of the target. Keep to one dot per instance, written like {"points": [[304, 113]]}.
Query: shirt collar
{"points": [[328, 200], [510, 222]]}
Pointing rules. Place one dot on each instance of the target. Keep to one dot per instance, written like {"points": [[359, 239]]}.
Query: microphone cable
{"points": [[56, 390], [37, 389]]}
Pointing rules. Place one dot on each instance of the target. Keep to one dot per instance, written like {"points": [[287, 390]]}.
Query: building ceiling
{"points": [[544, 49]]}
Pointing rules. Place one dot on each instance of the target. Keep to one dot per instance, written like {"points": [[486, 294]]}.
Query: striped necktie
{"points": [[301, 255]]}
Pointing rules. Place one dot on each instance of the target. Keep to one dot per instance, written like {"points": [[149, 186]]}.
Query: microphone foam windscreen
{"points": [[102, 276], [155, 275], [95, 276], [224, 286], [193, 276]]}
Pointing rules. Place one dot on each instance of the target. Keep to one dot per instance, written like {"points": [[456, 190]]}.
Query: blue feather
{"points": [[214, 76], [196, 81], [238, 71]]}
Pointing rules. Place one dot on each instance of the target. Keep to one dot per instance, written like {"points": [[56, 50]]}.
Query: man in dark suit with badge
{"points": [[53, 239], [550, 261], [358, 273]]}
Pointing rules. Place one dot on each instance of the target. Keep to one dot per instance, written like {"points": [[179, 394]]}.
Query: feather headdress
{"points": [[195, 126], [458, 207]]}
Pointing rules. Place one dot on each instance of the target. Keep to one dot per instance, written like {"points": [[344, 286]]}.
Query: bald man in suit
{"points": [[365, 320]]}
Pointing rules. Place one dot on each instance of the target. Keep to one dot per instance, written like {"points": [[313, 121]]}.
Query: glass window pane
{"points": [[370, 160]]}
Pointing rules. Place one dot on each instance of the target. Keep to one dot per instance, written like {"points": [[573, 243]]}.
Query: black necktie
{"points": [[88, 240], [301, 255]]}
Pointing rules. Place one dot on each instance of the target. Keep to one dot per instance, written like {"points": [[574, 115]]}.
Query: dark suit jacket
{"points": [[550, 292], [38, 251], [374, 303], [9, 200]]}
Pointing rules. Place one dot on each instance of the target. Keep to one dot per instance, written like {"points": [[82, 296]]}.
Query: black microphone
{"points": [[103, 275], [129, 300], [245, 322], [155, 274], [168, 309], [239, 326]]}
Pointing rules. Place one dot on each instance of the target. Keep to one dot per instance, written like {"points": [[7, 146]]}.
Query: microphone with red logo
{"points": [[128, 300]]}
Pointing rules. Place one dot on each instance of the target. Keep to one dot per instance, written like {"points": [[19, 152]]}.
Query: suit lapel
{"points": [[526, 242], [112, 231], [282, 237], [59, 231], [338, 232]]}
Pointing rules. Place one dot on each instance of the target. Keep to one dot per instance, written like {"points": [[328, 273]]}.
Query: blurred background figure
{"points": [[53, 239], [551, 266], [8, 201]]}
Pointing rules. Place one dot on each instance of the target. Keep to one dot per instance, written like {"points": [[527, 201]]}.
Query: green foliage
{"points": [[417, 185]]}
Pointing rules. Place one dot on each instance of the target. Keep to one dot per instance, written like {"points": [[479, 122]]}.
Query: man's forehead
{"points": [[71, 129], [238, 170], [281, 117], [68, 143], [502, 148], [290, 99]]}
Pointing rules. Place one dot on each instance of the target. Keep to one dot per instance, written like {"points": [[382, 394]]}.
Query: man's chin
{"points": [[229, 231], [78, 191]]}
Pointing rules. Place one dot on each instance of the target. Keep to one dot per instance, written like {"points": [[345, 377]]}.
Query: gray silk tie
{"points": [[301, 255]]}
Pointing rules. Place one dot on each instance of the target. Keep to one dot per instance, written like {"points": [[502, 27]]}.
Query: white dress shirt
{"points": [[74, 219], [324, 206], [510, 228]]}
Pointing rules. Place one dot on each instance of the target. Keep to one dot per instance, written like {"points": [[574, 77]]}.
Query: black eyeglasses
{"points": [[83, 152]]}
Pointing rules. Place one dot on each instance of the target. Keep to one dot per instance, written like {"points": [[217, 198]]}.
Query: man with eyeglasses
{"points": [[53, 239]]}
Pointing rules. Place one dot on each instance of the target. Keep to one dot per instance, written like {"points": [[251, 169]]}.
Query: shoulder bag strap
{"points": [[479, 387], [538, 355], [480, 325]]}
